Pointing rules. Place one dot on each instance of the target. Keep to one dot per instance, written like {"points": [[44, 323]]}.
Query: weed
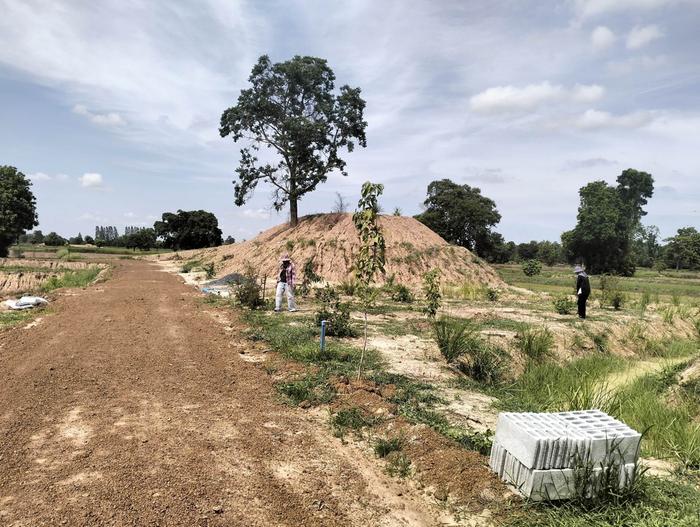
{"points": [[402, 294], [599, 339], [209, 270], [675, 299], [249, 292], [383, 447], [668, 314], [351, 419], [348, 287], [431, 289], [311, 389], [77, 278], [189, 265], [454, 337], [289, 245], [492, 294], [536, 343], [335, 313], [563, 304], [399, 465]]}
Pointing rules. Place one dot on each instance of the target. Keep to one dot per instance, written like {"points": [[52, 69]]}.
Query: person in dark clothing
{"points": [[583, 290]]}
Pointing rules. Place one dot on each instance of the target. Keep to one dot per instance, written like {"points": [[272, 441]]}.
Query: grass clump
{"points": [[402, 294], [399, 465], [351, 420], [310, 389], [385, 446], [454, 337], [536, 343], [189, 266], [209, 270]]}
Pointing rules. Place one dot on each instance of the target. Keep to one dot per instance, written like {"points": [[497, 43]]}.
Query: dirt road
{"points": [[130, 406]]}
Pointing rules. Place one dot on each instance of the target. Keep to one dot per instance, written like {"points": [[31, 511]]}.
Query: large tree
{"points": [[461, 215], [291, 110], [192, 229], [607, 220], [683, 249], [17, 206]]}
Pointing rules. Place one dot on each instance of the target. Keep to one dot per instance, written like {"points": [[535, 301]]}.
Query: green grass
{"points": [[27, 249], [684, 286], [658, 503], [78, 278], [12, 318]]}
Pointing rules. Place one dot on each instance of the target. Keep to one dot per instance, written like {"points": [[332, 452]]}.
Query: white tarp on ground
{"points": [[26, 302]]}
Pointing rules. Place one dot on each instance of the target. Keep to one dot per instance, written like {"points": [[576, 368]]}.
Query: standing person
{"points": [[285, 284], [583, 290]]}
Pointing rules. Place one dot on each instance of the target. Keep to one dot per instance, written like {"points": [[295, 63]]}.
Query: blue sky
{"points": [[112, 107]]}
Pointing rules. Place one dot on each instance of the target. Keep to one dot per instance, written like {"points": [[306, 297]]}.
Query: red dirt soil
{"points": [[130, 405], [331, 241]]}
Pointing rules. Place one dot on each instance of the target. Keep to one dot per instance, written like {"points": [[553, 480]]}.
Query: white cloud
{"points": [[39, 176], [258, 214], [129, 215], [513, 99], [602, 37], [105, 119], [590, 8], [636, 64], [592, 119], [91, 180], [641, 36]]}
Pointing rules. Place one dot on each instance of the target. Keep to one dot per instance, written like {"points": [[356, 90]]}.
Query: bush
{"points": [[564, 305], [189, 265], [536, 343], [610, 293], [335, 313], [309, 277], [384, 447], [532, 267], [431, 289], [402, 294], [348, 287], [249, 292], [492, 294], [209, 270]]}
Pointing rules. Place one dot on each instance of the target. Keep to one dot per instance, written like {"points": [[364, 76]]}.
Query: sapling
{"points": [[370, 258]]}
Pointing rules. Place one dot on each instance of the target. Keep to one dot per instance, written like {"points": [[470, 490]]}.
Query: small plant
{"points": [[610, 292], [563, 304], [532, 267], [676, 299], [289, 245], [348, 287], [492, 294], [483, 363], [335, 313], [309, 277], [188, 266], [399, 465], [351, 419], [209, 270], [668, 314], [383, 447], [249, 292], [536, 343], [431, 290], [644, 301], [402, 294]]}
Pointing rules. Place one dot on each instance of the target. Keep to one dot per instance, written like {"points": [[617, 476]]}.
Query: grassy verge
{"points": [[12, 318], [78, 278], [28, 249]]}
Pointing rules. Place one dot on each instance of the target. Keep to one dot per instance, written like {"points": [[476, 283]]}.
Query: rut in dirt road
{"points": [[130, 406]]}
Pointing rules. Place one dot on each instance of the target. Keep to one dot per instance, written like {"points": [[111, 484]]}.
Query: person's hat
{"points": [[578, 269], [286, 258]]}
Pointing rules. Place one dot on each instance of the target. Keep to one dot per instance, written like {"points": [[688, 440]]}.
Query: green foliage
{"points": [[249, 292], [54, 239], [536, 343], [77, 278], [17, 206], [309, 277], [454, 337], [492, 294], [385, 446], [335, 313], [610, 292], [348, 287], [209, 270], [460, 214], [189, 265], [532, 267], [291, 109], [403, 294], [607, 219], [313, 389], [683, 250], [350, 419], [399, 465], [431, 291], [193, 229], [563, 304]]}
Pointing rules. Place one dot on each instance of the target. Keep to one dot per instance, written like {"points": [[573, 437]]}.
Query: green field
{"points": [[560, 279], [28, 249]]}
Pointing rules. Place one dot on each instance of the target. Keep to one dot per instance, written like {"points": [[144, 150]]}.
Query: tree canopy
{"points": [[461, 215], [607, 219], [17, 206], [292, 111], [193, 229], [683, 249]]}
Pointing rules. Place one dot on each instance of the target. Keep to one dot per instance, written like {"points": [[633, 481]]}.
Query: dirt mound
{"points": [[331, 242]]}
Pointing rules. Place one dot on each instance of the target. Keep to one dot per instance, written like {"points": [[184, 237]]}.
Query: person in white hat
{"points": [[583, 290], [285, 284]]}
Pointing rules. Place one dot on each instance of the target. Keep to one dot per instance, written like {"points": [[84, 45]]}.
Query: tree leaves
{"points": [[17, 206]]}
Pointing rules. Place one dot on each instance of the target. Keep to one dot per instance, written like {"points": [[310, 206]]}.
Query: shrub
{"points": [[189, 265], [492, 294], [532, 267], [399, 465], [536, 343], [431, 289], [335, 313], [309, 277], [348, 287], [384, 447], [209, 270], [610, 293], [564, 305], [403, 294], [249, 292]]}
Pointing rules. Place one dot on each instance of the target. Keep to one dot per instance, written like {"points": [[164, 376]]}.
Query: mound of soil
{"points": [[330, 241]]}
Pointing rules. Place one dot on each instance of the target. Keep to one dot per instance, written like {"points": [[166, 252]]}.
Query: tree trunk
{"points": [[293, 212]]}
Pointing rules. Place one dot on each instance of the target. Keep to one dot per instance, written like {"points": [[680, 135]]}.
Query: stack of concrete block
{"points": [[545, 455]]}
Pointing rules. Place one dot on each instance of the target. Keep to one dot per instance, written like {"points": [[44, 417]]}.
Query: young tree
{"points": [[17, 206], [460, 214], [192, 229], [370, 259], [291, 109], [607, 219]]}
